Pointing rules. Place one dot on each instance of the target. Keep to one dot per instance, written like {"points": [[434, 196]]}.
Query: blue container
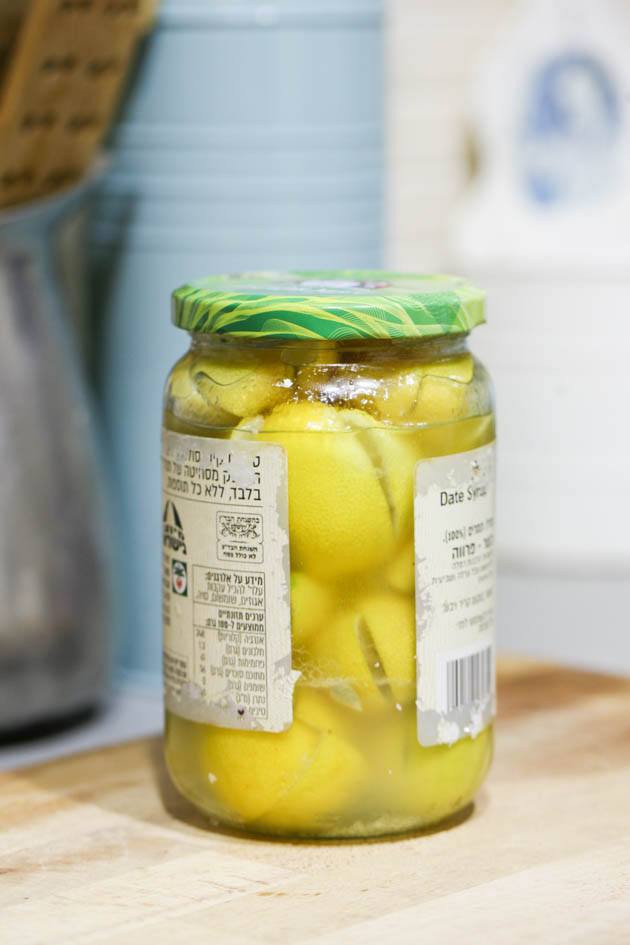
{"points": [[252, 138]]}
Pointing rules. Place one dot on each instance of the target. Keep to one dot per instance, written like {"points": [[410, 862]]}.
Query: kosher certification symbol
{"points": [[179, 577], [240, 536]]}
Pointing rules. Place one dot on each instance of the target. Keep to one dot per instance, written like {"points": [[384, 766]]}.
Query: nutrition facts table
{"points": [[230, 640], [227, 620]]}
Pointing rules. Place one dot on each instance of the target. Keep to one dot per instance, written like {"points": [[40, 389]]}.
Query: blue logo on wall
{"points": [[572, 124]]}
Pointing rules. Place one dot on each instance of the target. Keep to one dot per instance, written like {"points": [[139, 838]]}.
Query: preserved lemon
{"points": [[350, 493], [318, 436]]}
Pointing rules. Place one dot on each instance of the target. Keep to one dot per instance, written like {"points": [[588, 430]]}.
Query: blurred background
{"points": [[143, 144]]}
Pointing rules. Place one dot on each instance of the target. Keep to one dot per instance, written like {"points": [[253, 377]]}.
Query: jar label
{"points": [[226, 578], [455, 595]]}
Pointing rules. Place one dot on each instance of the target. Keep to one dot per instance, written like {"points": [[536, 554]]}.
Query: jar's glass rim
{"points": [[330, 305]]}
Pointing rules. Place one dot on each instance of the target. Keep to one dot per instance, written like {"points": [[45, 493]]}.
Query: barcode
{"points": [[469, 679]]}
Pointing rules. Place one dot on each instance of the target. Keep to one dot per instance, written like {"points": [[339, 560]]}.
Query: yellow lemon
{"points": [[250, 772], [185, 401], [431, 393], [371, 648], [270, 781], [288, 781], [322, 800], [392, 458], [418, 785], [317, 706], [311, 605], [439, 781], [436, 392], [240, 388], [338, 772], [314, 707], [350, 486], [400, 574]]}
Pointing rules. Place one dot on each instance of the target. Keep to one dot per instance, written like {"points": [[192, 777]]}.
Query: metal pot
{"points": [[54, 553]]}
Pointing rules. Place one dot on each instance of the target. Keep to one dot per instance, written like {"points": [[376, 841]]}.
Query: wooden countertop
{"points": [[98, 848]]}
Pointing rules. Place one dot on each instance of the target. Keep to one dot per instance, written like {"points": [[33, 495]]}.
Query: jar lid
{"points": [[329, 305]]}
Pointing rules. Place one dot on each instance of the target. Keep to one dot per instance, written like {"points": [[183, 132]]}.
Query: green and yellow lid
{"points": [[331, 306]]}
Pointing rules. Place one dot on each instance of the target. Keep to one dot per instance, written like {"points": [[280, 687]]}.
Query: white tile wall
{"points": [[434, 47]]}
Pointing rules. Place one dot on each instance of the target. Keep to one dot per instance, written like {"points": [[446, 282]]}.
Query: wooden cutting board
{"points": [[98, 848]]}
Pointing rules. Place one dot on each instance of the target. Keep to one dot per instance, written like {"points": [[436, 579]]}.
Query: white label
{"points": [[455, 595], [227, 617]]}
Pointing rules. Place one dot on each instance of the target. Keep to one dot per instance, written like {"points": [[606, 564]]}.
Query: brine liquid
{"points": [[350, 765]]}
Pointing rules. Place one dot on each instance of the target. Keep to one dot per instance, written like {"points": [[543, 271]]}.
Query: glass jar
{"points": [[328, 464]]}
